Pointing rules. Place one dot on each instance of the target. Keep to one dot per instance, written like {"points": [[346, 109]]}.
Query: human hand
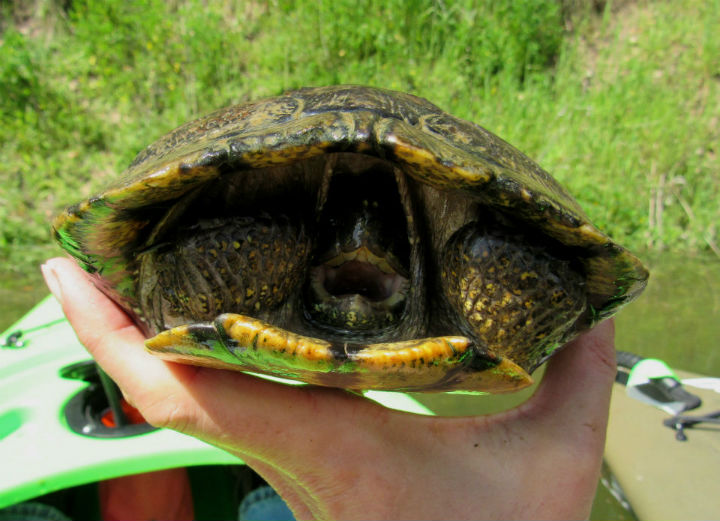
{"points": [[334, 455]]}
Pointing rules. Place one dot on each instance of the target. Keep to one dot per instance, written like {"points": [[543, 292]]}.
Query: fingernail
{"points": [[52, 280]]}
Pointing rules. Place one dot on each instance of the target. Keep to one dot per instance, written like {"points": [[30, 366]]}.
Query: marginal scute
{"points": [[249, 333], [427, 351], [423, 163]]}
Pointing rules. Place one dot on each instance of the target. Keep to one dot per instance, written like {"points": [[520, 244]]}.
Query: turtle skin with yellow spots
{"points": [[353, 237]]}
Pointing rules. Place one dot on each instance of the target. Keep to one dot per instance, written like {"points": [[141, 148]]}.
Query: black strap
{"points": [[680, 422]]}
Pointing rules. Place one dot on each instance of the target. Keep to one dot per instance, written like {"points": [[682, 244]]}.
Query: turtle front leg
{"points": [[519, 298]]}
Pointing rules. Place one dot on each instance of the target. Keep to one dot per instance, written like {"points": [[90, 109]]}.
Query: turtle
{"points": [[353, 237]]}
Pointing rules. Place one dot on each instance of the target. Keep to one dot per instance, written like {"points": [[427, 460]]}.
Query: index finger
{"points": [[101, 326]]}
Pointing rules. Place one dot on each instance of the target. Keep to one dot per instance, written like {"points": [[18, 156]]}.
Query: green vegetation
{"points": [[622, 104]]}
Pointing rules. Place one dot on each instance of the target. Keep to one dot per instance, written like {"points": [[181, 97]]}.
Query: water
{"points": [[677, 318]]}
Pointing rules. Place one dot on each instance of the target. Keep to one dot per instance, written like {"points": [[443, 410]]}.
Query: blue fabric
{"points": [[264, 504], [32, 512]]}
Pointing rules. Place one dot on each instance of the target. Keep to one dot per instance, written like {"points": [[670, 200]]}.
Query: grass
{"points": [[622, 104]]}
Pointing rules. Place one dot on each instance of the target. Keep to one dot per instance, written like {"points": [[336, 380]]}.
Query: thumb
{"points": [[573, 400]]}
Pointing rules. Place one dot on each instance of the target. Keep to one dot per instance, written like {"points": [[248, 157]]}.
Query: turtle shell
{"points": [[240, 238]]}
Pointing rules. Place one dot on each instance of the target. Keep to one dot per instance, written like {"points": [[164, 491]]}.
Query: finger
{"points": [[75, 292], [102, 327]]}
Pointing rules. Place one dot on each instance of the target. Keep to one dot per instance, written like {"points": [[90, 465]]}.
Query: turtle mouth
{"points": [[356, 290]]}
